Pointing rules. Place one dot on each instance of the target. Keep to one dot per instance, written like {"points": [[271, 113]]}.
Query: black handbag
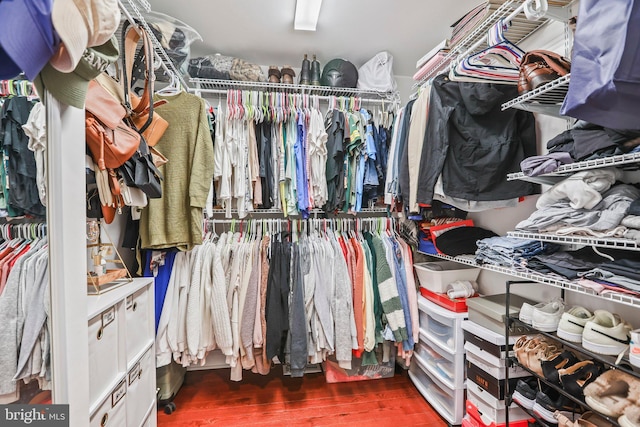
{"points": [[140, 171], [93, 197]]}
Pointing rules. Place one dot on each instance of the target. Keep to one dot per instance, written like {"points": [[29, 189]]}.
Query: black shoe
{"points": [[525, 393], [558, 361], [577, 376], [549, 401]]}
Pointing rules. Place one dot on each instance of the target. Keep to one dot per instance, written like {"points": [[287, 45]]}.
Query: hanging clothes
{"points": [[175, 220], [24, 316], [261, 294]]}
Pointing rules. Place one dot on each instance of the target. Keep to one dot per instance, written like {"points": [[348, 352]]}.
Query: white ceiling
{"points": [[261, 31]]}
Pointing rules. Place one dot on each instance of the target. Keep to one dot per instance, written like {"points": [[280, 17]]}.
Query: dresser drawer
{"points": [[141, 385], [106, 352], [441, 326], [140, 322], [113, 410]]}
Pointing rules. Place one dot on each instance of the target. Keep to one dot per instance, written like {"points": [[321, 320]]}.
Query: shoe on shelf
{"points": [[287, 74], [588, 419], [607, 333], [274, 74], [579, 375], [549, 401], [556, 362], [612, 392], [531, 350], [631, 417], [565, 419], [572, 323], [525, 392], [547, 317], [526, 312]]}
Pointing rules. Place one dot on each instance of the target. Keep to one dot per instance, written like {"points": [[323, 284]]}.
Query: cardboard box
{"points": [[385, 355], [490, 312], [495, 386]]}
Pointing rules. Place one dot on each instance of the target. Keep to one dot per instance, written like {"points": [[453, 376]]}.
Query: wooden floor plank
{"points": [[210, 398]]}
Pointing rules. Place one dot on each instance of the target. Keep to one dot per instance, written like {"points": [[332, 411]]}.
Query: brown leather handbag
{"points": [[108, 137], [141, 109], [539, 67]]}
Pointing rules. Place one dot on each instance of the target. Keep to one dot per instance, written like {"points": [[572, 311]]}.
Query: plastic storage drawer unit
{"points": [[447, 367], [449, 403], [441, 326]]}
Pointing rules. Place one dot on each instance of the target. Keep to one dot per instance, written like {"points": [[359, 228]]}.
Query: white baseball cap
{"points": [[81, 24]]}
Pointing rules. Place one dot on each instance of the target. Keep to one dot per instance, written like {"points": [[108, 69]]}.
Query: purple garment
{"points": [[539, 165], [605, 76]]}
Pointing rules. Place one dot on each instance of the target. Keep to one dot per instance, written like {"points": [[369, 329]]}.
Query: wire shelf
{"points": [[315, 212], [620, 160], [616, 243], [617, 297], [520, 29], [546, 99], [221, 86], [131, 6]]}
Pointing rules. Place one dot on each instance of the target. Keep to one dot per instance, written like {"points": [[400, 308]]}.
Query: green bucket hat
{"points": [[71, 88]]}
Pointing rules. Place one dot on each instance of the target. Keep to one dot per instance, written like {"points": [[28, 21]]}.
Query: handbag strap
{"points": [[130, 37]]}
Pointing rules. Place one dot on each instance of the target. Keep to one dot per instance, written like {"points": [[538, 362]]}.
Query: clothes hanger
{"points": [[499, 62], [173, 88]]}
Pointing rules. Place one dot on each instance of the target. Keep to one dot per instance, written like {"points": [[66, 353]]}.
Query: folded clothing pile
{"points": [[510, 252]]}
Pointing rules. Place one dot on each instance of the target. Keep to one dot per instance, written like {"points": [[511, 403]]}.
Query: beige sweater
{"points": [[175, 220]]}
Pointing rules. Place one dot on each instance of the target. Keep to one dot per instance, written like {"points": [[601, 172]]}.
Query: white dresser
{"points": [[122, 371]]}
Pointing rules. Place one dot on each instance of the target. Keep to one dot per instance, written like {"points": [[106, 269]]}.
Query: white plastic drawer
{"points": [[106, 350], [491, 415], [476, 356], [113, 410], [449, 368], [449, 403], [152, 420], [441, 326], [141, 384], [140, 322]]}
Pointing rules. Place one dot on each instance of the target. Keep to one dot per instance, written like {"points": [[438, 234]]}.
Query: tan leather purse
{"points": [[108, 137]]}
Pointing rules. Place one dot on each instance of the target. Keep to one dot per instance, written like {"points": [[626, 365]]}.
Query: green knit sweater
{"points": [[389, 296], [175, 220]]}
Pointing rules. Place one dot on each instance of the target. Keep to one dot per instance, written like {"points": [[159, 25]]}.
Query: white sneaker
{"points": [[547, 317], [526, 312], [572, 323], [607, 333]]}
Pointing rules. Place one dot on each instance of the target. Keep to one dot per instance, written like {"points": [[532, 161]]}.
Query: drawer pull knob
{"points": [[103, 421], [100, 333], [140, 373], [135, 306]]}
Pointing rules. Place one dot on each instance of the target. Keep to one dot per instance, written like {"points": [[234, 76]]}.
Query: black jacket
{"points": [[473, 143]]}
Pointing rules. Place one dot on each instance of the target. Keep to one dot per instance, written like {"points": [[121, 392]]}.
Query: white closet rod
{"points": [[319, 97]]}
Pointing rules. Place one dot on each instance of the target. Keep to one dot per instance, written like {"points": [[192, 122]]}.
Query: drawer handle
{"points": [[135, 306], [100, 333], [139, 373], [103, 421]]}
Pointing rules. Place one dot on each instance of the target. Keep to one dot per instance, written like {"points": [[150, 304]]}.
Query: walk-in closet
{"points": [[319, 213]]}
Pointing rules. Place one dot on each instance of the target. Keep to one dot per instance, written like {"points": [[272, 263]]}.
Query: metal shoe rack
{"points": [[608, 361]]}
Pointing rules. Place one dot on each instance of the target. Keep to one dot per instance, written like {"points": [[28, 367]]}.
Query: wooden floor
{"points": [[209, 398]]}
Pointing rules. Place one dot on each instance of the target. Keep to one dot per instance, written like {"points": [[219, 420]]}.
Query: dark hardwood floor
{"points": [[209, 398]]}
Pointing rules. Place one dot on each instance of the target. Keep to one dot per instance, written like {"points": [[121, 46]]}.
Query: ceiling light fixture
{"points": [[307, 12]]}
